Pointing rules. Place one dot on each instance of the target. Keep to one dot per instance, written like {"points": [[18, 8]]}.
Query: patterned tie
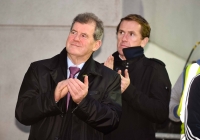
{"points": [[73, 72]]}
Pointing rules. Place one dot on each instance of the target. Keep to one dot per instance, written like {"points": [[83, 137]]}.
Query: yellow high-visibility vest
{"points": [[191, 71]]}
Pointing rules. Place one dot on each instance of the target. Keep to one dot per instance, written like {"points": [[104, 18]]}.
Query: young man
{"points": [[84, 106], [145, 84]]}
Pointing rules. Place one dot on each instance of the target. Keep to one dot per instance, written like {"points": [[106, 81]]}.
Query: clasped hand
{"points": [[78, 90], [125, 81]]}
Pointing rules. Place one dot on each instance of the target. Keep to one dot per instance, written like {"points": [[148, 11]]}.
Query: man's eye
{"points": [[120, 32], [84, 36], [131, 34], [73, 32]]}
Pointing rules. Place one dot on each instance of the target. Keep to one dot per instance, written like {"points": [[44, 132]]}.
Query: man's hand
{"points": [[125, 81], [109, 62], [77, 89], [61, 90]]}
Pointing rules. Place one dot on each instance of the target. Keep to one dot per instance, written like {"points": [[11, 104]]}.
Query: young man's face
{"points": [[129, 36], [80, 42]]}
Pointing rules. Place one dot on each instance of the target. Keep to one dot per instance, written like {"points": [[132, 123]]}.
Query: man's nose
{"points": [[76, 37], [124, 37]]}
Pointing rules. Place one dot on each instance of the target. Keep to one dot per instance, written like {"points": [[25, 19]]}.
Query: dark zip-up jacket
{"points": [[146, 100]]}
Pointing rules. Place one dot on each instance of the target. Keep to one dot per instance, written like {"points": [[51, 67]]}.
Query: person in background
{"points": [[179, 92], [85, 106], [145, 84], [175, 99], [192, 111]]}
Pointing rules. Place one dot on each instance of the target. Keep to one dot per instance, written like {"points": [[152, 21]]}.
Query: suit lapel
{"points": [[90, 69], [59, 72], [57, 75]]}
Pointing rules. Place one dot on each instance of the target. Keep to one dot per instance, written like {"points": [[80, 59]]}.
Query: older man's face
{"points": [[80, 42]]}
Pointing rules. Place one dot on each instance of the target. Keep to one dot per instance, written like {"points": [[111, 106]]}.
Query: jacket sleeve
{"points": [[192, 111], [104, 114], [175, 99], [32, 105], [154, 105]]}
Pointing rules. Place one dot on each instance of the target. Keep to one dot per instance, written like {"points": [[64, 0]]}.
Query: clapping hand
{"points": [[109, 62], [125, 81]]}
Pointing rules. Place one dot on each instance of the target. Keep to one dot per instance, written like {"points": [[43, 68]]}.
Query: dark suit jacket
{"points": [[96, 115]]}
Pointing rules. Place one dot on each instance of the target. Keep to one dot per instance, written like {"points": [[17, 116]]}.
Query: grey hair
{"points": [[90, 17]]}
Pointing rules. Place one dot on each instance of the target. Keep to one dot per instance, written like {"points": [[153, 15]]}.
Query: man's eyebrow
{"points": [[73, 30], [131, 32], [121, 30]]}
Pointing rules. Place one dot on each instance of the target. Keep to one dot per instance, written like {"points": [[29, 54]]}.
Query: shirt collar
{"points": [[70, 63]]}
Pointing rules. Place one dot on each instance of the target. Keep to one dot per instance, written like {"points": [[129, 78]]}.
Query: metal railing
{"points": [[164, 136]]}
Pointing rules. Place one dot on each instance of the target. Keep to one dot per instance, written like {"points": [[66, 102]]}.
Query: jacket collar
{"points": [[58, 68], [132, 54], [90, 69]]}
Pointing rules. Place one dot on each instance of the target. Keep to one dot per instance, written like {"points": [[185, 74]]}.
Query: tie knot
{"points": [[73, 71]]}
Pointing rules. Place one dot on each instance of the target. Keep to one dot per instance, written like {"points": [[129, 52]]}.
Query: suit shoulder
{"points": [[157, 61], [45, 62], [106, 69]]}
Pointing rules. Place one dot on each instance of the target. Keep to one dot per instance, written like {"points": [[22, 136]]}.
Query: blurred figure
{"points": [[192, 110], [84, 106], [179, 92], [145, 84]]}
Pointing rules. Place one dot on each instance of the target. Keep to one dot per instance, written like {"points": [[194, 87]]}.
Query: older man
{"points": [[83, 107]]}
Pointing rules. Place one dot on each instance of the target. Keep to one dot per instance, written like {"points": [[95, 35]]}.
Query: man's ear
{"points": [[144, 42], [97, 45]]}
